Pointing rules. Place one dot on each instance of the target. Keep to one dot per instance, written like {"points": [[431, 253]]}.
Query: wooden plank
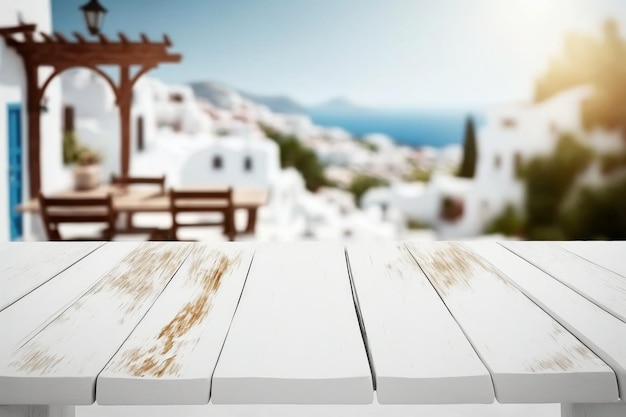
{"points": [[605, 288], [530, 356], [59, 364], [593, 410], [602, 332], [170, 357], [419, 353], [27, 265], [609, 255], [34, 311], [295, 338]]}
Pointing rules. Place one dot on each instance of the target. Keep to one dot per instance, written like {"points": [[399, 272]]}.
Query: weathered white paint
{"points": [[598, 284], [25, 266], [37, 411], [170, 357], [59, 364], [603, 333], [593, 410], [420, 354], [34, 311], [295, 337], [530, 356], [609, 255]]}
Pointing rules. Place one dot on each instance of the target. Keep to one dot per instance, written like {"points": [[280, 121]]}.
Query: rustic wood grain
{"points": [[603, 333], [170, 357], [420, 354], [295, 337], [59, 364], [27, 265], [598, 284], [608, 255], [37, 309], [530, 356]]}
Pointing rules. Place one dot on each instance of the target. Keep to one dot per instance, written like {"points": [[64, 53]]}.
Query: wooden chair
{"points": [[55, 211], [126, 181], [203, 202]]}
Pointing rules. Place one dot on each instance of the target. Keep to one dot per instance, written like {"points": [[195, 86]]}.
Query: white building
{"points": [[14, 177], [512, 135], [155, 106], [232, 160]]}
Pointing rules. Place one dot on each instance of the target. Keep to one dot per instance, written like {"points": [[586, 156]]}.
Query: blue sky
{"points": [[382, 53]]}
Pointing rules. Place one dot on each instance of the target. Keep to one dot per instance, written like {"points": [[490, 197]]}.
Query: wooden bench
{"points": [[165, 323]]}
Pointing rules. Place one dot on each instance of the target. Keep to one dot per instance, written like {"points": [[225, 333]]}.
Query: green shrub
{"points": [[416, 224], [419, 174], [361, 183], [71, 148], [303, 159], [548, 179], [509, 223], [599, 213]]}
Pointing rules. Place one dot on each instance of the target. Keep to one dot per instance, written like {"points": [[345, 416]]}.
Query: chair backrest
{"points": [[77, 210], [160, 181], [197, 201]]}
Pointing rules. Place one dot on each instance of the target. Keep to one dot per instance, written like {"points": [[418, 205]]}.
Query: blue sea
{"points": [[436, 128]]}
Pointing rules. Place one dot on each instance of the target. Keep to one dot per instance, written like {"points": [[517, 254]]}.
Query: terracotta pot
{"points": [[86, 177]]}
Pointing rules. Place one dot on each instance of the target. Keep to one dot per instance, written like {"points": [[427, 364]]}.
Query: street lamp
{"points": [[94, 14]]}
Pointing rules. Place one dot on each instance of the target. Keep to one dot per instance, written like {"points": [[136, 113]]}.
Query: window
{"points": [[217, 162], [140, 143], [509, 122], [451, 208], [68, 119], [497, 161], [176, 98], [247, 164]]}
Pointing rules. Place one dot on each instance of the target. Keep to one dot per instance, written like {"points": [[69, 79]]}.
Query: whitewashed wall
{"points": [[13, 90], [198, 169]]}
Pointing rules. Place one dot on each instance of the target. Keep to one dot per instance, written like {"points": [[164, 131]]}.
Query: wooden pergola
{"points": [[58, 52]]}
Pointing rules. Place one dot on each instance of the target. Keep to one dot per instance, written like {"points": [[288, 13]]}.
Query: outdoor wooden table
{"points": [[127, 200], [313, 323]]}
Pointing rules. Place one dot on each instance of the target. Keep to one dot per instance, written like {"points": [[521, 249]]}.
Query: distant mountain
{"points": [[338, 105], [218, 94], [226, 97], [278, 104]]}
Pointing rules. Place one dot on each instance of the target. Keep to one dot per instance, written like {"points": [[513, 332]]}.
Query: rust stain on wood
{"points": [[37, 361], [134, 276], [160, 359], [556, 362], [561, 361], [403, 258], [451, 266]]}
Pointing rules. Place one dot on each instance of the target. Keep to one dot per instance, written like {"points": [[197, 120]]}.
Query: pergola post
{"points": [[34, 113], [124, 105]]}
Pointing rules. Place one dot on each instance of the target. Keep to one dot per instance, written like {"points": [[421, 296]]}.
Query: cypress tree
{"points": [[470, 154]]}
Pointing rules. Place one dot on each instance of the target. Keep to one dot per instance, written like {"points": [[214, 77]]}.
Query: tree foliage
{"points": [[470, 153], [361, 183], [294, 154], [509, 222], [548, 179], [599, 62]]}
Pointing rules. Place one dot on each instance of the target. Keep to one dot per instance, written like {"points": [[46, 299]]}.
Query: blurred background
{"points": [[402, 119]]}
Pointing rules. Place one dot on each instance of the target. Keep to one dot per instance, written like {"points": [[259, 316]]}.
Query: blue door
{"points": [[15, 170]]}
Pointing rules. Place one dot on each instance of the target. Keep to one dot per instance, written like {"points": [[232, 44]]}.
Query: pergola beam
{"points": [[60, 53]]}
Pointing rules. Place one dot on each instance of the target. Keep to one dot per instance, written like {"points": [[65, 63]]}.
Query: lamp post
{"points": [[94, 15]]}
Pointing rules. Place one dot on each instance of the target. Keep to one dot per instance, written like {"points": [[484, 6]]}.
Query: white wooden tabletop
{"points": [[312, 323]]}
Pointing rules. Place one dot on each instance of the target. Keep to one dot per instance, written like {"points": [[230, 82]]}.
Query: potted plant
{"points": [[87, 173]]}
